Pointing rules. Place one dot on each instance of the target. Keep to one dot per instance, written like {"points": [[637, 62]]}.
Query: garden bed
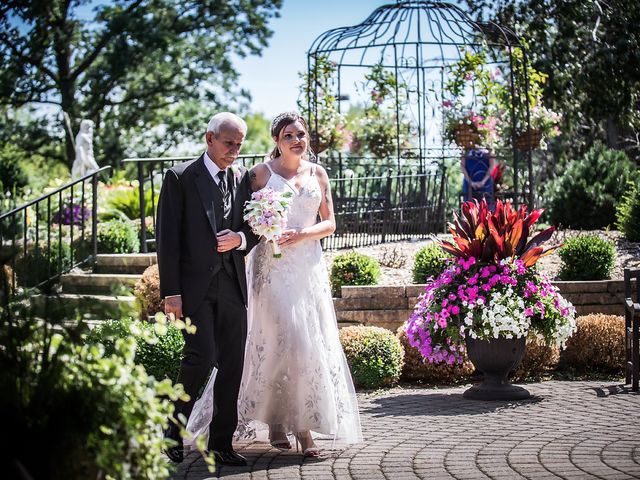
{"points": [[628, 256]]}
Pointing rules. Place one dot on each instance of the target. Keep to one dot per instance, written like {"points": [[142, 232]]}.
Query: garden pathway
{"points": [[568, 430]]}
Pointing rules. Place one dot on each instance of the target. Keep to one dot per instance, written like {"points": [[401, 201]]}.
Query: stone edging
{"points": [[389, 307]]}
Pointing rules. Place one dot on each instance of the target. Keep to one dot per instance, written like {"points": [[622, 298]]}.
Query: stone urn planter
{"points": [[495, 358]]}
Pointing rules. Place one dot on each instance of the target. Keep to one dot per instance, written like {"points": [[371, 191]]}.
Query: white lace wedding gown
{"points": [[296, 376]]}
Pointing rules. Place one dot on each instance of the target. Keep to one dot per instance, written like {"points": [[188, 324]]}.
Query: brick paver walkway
{"points": [[568, 430]]}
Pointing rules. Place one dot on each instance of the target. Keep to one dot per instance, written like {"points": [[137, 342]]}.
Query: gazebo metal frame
{"points": [[417, 41]]}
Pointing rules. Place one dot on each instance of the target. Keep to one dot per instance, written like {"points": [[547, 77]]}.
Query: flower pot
{"points": [[495, 358], [527, 142], [318, 144], [466, 137]]}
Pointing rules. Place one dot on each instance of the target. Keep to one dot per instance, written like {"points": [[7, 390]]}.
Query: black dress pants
{"points": [[221, 322]]}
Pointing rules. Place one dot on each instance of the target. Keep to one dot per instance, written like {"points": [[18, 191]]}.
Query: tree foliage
{"points": [[590, 52], [147, 72]]}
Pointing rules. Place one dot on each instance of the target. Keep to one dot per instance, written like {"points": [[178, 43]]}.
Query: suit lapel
{"points": [[207, 191]]}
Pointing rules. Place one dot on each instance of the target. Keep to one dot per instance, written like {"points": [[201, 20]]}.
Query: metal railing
{"points": [[373, 210], [369, 210], [48, 236], [150, 172]]}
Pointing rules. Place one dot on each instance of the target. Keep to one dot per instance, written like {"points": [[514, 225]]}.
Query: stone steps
{"points": [[124, 263], [112, 284], [88, 307]]}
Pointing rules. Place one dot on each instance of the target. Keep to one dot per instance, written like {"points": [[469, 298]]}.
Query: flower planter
{"points": [[466, 137], [526, 142], [495, 358]]}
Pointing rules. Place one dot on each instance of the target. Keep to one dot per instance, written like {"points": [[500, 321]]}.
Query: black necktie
{"points": [[226, 193]]}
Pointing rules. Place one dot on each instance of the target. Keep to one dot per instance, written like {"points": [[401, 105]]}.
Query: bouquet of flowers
{"points": [[491, 288], [266, 214]]}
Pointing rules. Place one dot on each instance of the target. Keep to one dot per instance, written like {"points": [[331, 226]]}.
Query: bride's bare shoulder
{"points": [[259, 176]]}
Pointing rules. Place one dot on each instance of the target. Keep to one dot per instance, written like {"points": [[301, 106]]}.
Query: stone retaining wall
{"points": [[389, 307]]}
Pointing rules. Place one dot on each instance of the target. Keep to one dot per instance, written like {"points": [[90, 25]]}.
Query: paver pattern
{"points": [[567, 430]]}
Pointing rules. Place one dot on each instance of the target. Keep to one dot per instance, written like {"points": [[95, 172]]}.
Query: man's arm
{"points": [[168, 237]]}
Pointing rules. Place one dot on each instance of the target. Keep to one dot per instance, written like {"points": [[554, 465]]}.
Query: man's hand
{"points": [[228, 240], [173, 305]]}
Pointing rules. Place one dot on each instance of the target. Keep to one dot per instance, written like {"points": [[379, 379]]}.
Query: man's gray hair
{"points": [[219, 119]]}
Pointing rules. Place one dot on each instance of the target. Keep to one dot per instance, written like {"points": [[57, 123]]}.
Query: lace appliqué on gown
{"points": [[295, 375]]}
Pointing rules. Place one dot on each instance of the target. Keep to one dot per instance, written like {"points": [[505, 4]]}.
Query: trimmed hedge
{"points": [[374, 354], [353, 268], [587, 257], [597, 345]]}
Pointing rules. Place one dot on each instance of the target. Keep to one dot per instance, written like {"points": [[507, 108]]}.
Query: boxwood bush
{"points": [[430, 261], [587, 257], [374, 354], [353, 268], [118, 236], [597, 345]]}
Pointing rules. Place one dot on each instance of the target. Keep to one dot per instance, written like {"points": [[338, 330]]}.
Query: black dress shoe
{"points": [[229, 457], [175, 452]]}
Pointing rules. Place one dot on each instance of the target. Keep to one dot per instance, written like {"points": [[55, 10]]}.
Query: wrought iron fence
{"points": [[150, 172], [372, 210], [48, 236], [369, 210]]}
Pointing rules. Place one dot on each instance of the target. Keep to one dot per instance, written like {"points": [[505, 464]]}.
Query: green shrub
{"points": [[597, 345], [429, 262], [118, 236], [125, 200], [160, 359], [98, 415], [39, 264], [416, 368], [353, 268], [374, 354], [585, 196], [587, 257], [628, 213]]}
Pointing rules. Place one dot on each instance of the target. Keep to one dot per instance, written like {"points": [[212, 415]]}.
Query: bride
{"points": [[295, 380]]}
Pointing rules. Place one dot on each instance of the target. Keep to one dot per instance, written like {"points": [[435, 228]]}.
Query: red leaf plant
{"points": [[493, 236]]}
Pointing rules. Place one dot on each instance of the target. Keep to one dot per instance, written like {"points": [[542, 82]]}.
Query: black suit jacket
{"points": [[186, 232]]}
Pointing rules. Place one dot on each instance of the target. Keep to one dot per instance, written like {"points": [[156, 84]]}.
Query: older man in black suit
{"points": [[202, 240]]}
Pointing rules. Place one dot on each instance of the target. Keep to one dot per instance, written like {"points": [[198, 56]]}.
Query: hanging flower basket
{"points": [[465, 136], [318, 143], [526, 142]]}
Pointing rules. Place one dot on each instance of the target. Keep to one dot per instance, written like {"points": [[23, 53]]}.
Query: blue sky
{"points": [[273, 78]]}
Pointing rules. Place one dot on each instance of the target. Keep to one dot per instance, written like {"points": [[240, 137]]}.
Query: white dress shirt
{"points": [[213, 171]]}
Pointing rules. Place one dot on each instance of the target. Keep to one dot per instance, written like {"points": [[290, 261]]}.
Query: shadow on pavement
{"points": [[431, 404]]}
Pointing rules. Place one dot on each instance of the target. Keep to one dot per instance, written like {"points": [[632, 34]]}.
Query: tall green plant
{"points": [[587, 193]]}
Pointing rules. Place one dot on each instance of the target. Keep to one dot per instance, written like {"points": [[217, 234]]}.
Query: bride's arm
{"points": [[258, 176], [327, 224]]}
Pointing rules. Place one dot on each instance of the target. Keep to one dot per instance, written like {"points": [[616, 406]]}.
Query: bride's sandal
{"points": [[280, 441], [309, 452]]}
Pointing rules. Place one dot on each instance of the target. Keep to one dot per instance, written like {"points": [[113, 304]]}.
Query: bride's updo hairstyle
{"points": [[284, 120]]}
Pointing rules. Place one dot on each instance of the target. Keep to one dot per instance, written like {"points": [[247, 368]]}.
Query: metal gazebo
{"points": [[414, 45]]}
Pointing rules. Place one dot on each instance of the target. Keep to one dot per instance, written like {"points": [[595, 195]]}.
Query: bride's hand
{"points": [[289, 237]]}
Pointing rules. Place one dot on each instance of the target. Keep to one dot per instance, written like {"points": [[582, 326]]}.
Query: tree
{"points": [[258, 134], [590, 52], [153, 66]]}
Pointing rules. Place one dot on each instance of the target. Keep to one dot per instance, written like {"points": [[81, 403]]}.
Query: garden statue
{"points": [[84, 162]]}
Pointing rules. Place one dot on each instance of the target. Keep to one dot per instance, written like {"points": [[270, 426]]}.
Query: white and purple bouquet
{"points": [[266, 214]]}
